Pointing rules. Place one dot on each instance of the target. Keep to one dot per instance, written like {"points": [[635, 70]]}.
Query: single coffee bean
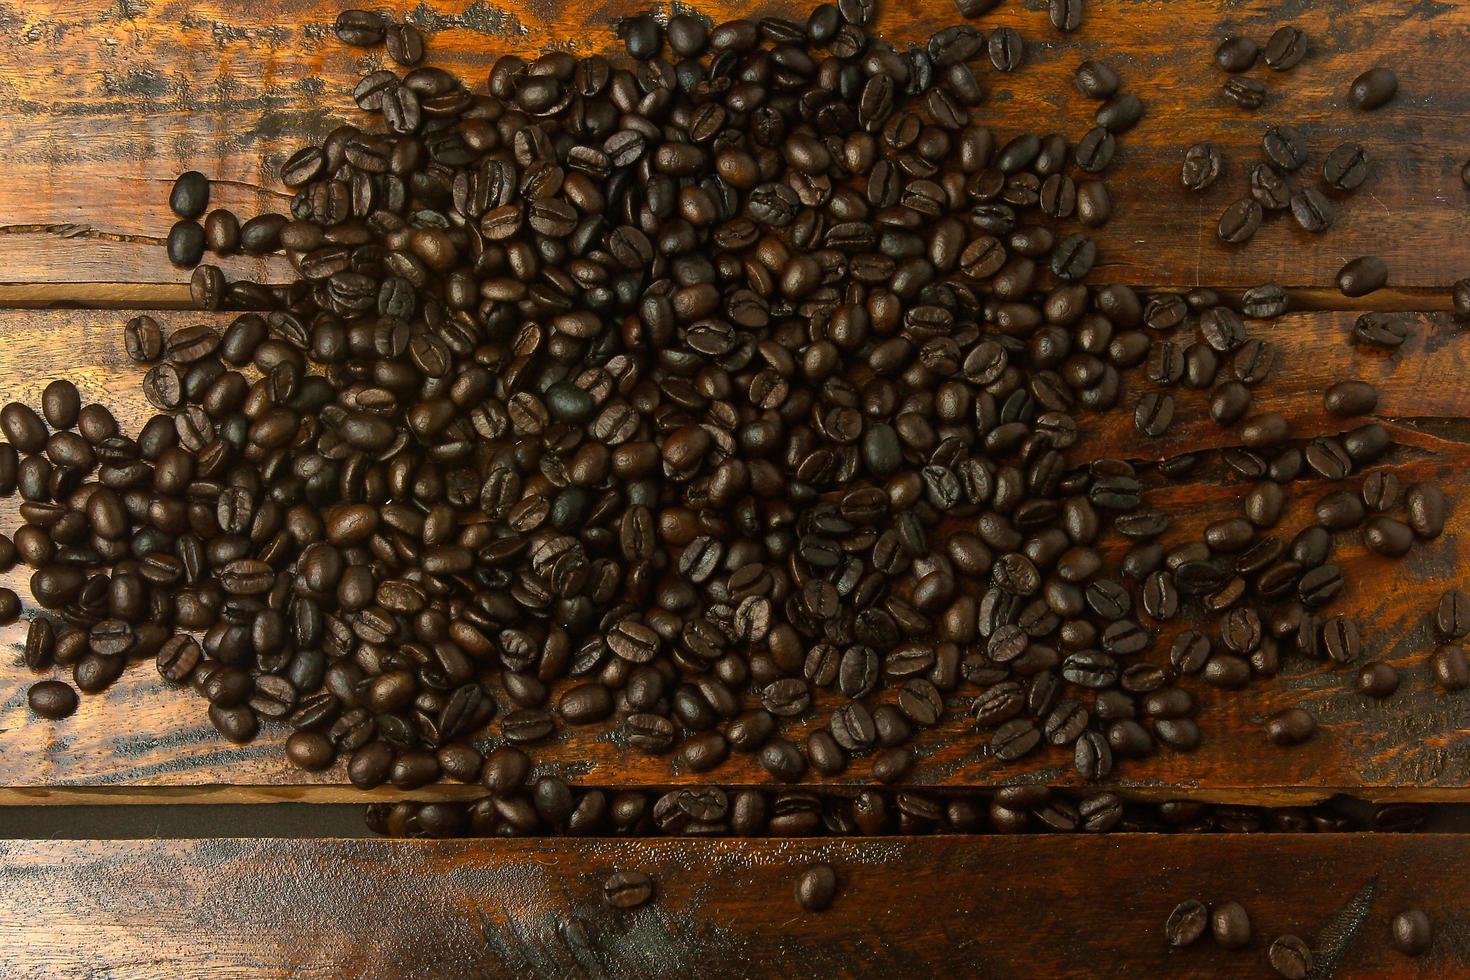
{"points": [[1347, 398], [360, 28], [1240, 221], [1362, 275], [1387, 536], [816, 888], [1248, 93], [185, 243], [1290, 726], [627, 889], [1065, 15], [143, 339], [190, 195], [1452, 617], [1096, 80], [1286, 49], [1426, 507], [1202, 165], [1346, 167], [1230, 925], [1263, 302], [1237, 54], [1411, 932], [52, 699], [1377, 680], [1291, 957], [1187, 923], [1451, 668], [1285, 147], [1374, 88], [1312, 211]]}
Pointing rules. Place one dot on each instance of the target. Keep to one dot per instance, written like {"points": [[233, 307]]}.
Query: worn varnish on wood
{"points": [[104, 104], [914, 907], [142, 735]]}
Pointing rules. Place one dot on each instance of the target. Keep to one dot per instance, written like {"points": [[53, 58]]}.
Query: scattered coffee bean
{"points": [[816, 888], [1411, 932], [1374, 88], [1377, 680]]}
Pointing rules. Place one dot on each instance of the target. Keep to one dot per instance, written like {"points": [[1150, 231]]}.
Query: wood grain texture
{"points": [[104, 104], [992, 907], [142, 735]]}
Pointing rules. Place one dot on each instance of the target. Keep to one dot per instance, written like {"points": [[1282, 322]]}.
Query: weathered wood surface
{"points": [[143, 736], [913, 907], [104, 104]]}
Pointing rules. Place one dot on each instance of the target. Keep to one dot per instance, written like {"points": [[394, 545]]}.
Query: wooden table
{"points": [[102, 104]]}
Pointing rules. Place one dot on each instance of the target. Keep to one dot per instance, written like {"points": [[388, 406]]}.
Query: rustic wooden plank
{"points": [[108, 102], [986, 906], [142, 736]]}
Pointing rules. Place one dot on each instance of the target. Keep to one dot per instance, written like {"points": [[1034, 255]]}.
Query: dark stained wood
{"points": [[106, 103], [915, 907], [143, 736]]}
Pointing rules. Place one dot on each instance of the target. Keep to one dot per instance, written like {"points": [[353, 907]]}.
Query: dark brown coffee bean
{"points": [[627, 889], [1377, 680], [816, 888], [1374, 88], [1290, 726], [52, 699], [1187, 923]]}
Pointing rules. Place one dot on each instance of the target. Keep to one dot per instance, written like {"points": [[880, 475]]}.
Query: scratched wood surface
{"points": [[1069, 907], [143, 736], [102, 104]]}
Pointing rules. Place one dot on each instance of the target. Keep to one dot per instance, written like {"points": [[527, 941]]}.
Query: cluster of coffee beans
{"points": [[1228, 923], [729, 388], [1273, 183], [521, 803]]}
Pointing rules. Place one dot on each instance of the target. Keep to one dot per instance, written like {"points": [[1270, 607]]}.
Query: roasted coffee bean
{"points": [[1290, 726], [361, 28], [1362, 276], [1346, 167], [1411, 932], [1426, 506], [1096, 80], [1374, 88], [1291, 957], [1312, 211], [1284, 147], [1230, 925], [52, 699], [1263, 302], [627, 889], [1269, 188], [1187, 923], [190, 195], [1452, 618], [1347, 398], [1286, 48], [1240, 221], [1248, 93], [1065, 15], [1451, 668], [1202, 165], [1377, 680], [816, 888], [1237, 54]]}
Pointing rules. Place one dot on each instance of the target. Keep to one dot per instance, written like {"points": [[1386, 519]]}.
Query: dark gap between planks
{"points": [[308, 821]]}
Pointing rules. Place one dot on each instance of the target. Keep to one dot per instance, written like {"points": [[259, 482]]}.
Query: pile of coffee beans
{"points": [[726, 396], [521, 803]]}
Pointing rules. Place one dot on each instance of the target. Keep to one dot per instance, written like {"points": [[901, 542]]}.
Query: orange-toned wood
{"points": [[103, 105]]}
